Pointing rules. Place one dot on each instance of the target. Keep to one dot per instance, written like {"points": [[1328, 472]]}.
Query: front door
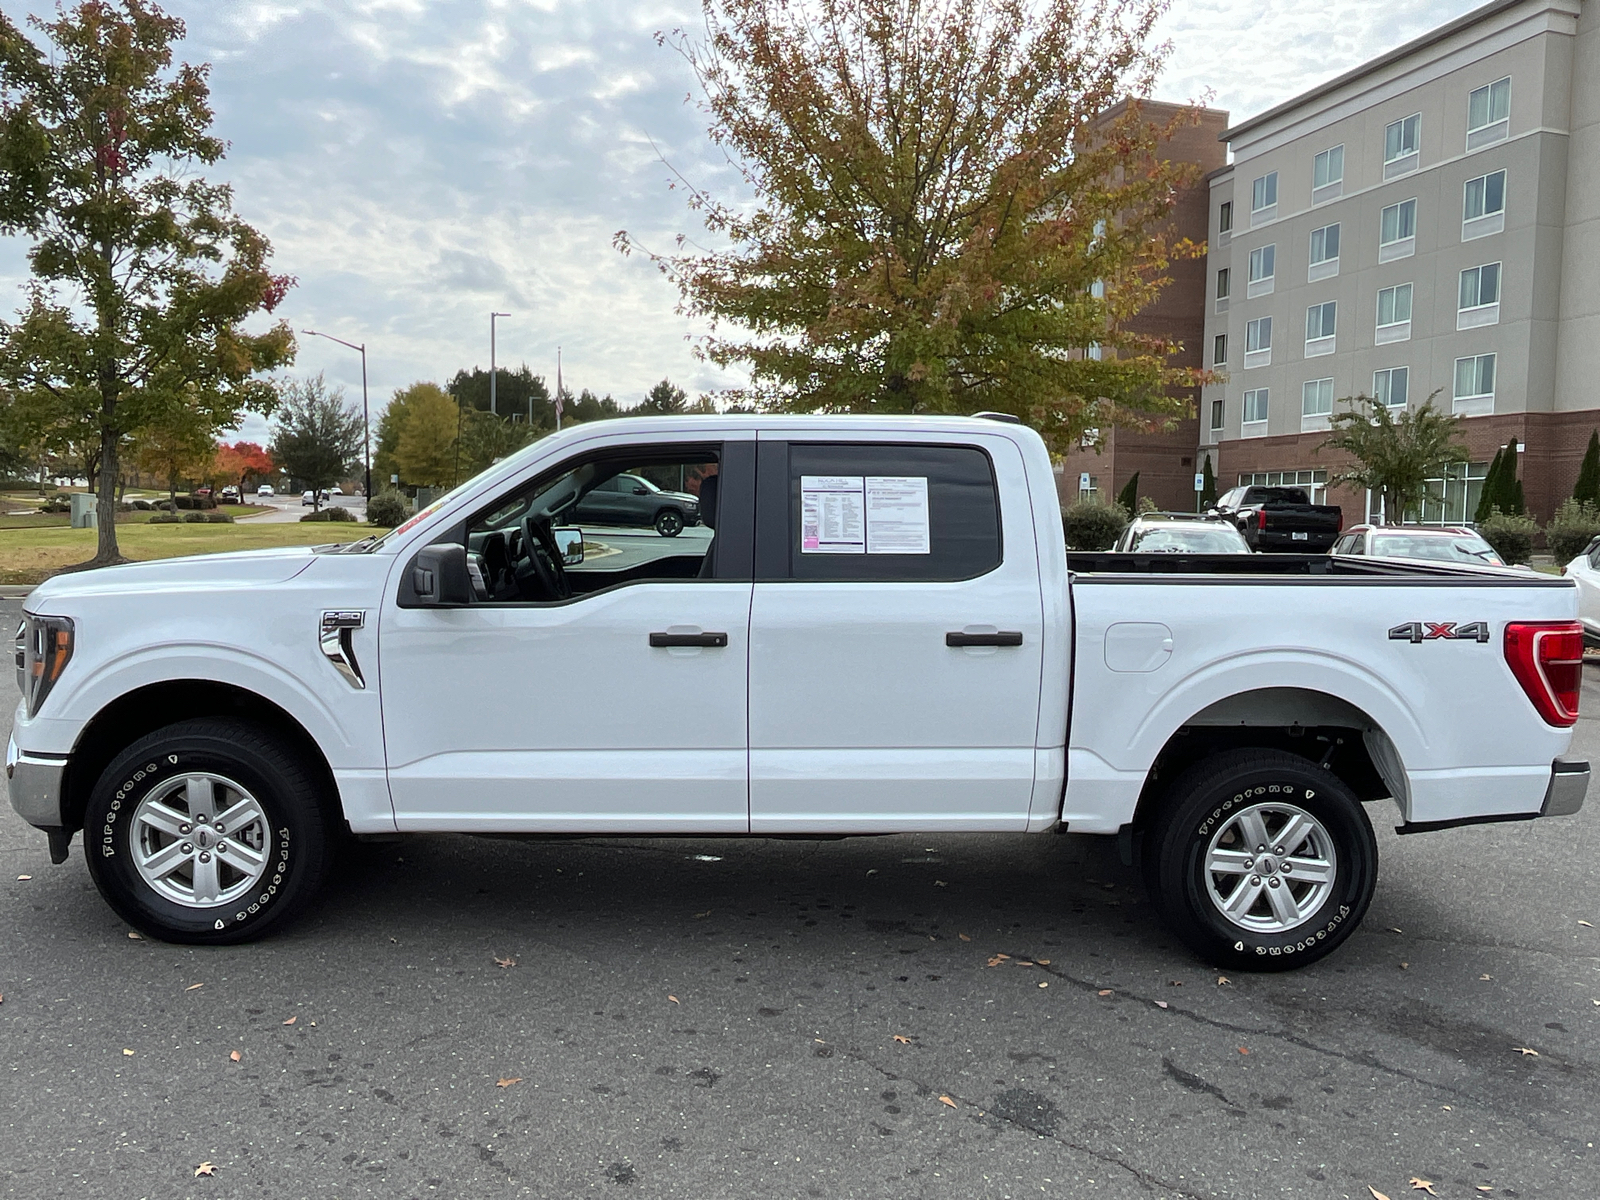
{"points": [[895, 647], [618, 708]]}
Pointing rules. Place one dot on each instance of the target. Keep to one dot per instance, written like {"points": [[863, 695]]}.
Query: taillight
{"points": [[1341, 521], [1547, 659], [1261, 518]]}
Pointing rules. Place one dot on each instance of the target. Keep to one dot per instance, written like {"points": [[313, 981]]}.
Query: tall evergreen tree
{"points": [[1486, 494], [1588, 485], [1208, 493], [1509, 493], [1128, 497]]}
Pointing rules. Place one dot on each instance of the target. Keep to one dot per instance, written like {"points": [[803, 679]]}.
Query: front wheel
{"points": [[208, 831], [1261, 860], [669, 522]]}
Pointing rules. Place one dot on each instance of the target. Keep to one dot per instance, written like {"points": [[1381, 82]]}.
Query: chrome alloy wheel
{"points": [[1270, 867], [200, 840]]}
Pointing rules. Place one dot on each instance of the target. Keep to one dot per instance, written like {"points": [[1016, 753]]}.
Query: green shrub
{"points": [[389, 508], [194, 517], [141, 505], [216, 517], [194, 502], [1093, 526], [335, 513], [1575, 525], [165, 518], [59, 503], [1510, 535]]}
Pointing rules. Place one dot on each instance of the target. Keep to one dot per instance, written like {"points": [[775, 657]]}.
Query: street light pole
{"points": [[366, 427], [492, 371]]}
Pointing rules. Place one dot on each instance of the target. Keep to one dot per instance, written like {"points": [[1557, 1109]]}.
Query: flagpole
{"points": [[558, 389]]}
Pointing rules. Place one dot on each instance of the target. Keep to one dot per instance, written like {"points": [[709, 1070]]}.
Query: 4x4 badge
{"points": [[1429, 631]]}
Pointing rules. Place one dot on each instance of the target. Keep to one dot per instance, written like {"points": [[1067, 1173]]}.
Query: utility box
{"points": [[83, 510]]}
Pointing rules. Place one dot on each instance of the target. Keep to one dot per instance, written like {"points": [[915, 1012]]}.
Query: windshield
{"points": [[1158, 539], [1437, 547]]}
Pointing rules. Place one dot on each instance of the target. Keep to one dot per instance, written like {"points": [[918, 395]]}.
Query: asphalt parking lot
{"points": [[879, 1017]]}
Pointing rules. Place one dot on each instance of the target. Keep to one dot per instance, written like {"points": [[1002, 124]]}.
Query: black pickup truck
{"points": [[1281, 518]]}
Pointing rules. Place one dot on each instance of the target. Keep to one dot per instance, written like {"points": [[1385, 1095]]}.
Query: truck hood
{"points": [[200, 572]]}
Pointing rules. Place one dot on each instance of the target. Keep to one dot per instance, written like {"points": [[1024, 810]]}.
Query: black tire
{"points": [[298, 832], [1204, 806], [669, 522]]}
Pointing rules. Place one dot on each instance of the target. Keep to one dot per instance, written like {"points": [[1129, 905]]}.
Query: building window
{"points": [[1216, 416], [1488, 113], [1093, 353], [1088, 493], [1264, 198], [1390, 386], [1397, 231], [1263, 269], [1483, 206], [1219, 349], [1255, 413], [1452, 499], [1225, 217], [1258, 342], [1316, 404], [1327, 175], [1321, 320], [1224, 288], [1324, 253], [1394, 314], [1097, 289], [1314, 482], [1480, 297], [1474, 392], [1401, 142]]}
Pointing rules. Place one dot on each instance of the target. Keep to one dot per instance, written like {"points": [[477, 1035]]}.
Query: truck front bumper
{"points": [[1569, 783], [34, 782]]}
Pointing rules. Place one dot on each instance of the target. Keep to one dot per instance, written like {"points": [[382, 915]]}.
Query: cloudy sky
{"points": [[419, 163]]}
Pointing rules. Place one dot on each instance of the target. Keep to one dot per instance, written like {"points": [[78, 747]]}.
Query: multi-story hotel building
{"points": [[1427, 224]]}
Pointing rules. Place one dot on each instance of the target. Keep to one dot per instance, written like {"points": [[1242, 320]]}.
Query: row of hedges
{"points": [[192, 517], [1575, 524], [333, 513]]}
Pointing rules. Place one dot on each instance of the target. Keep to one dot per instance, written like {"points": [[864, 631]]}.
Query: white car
{"points": [[1171, 533], [883, 633], [1432, 543], [307, 497], [1585, 571], [335, 490], [265, 490]]}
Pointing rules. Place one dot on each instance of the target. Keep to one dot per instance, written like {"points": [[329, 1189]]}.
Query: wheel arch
{"points": [[155, 705], [1331, 732]]}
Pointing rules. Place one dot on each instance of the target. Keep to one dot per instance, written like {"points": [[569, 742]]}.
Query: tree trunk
{"points": [[106, 551]]}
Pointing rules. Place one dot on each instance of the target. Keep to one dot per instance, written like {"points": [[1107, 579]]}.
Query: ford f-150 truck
{"points": [[875, 629]]}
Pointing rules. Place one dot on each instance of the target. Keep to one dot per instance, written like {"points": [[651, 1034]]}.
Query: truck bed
{"points": [[1286, 567]]}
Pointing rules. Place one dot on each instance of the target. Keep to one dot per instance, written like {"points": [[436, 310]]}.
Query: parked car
{"points": [[231, 494], [307, 497], [1434, 543], [1180, 533], [628, 499], [265, 490], [885, 634], [203, 491], [1585, 571], [1281, 518], [335, 490]]}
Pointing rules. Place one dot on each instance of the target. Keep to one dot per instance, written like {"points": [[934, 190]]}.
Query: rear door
{"points": [[896, 624]]}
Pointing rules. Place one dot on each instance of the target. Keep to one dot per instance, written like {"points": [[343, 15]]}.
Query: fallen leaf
{"points": [[1244, 1049], [1405, 966], [127, 1052], [235, 1056], [1485, 977], [22, 878], [1447, 1108], [1161, 1003], [963, 937], [509, 1082], [997, 960], [1174, 983], [874, 871], [674, 999], [291, 1020], [902, 1039], [1526, 1052], [204, 1168], [1376, 1194], [1484, 1187], [940, 883], [1423, 1185], [1585, 924], [503, 963], [947, 1100], [134, 936], [1104, 992], [1043, 962], [1044, 985], [1223, 981], [1393, 929], [192, 987]]}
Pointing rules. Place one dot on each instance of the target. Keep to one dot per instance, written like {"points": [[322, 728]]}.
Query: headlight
{"points": [[44, 647]]}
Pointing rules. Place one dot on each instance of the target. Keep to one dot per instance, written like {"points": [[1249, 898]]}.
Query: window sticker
{"points": [[832, 514], [897, 514]]}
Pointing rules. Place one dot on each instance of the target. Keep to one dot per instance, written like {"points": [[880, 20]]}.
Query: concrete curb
{"points": [[15, 591]]}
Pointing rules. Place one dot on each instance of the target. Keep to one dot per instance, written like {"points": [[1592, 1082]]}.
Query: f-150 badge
{"points": [[1429, 631]]}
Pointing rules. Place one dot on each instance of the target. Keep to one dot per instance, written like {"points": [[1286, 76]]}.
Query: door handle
{"points": [[1003, 638], [668, 640]]}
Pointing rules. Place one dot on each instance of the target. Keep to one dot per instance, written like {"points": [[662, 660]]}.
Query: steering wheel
{"points": [[539, 544]]}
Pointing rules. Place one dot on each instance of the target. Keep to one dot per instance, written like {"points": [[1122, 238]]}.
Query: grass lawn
{"points": [[34, 554]]}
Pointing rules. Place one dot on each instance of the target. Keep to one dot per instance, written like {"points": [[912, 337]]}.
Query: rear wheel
{"points": [[208, 831], [669, 522], [1261, 860]]}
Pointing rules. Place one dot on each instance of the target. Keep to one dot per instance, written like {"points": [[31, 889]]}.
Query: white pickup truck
{"points": [[874, 627]]}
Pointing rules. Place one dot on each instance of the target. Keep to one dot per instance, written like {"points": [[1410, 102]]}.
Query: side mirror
{"points": [[439, 575], [570, 543], [640, 491]]}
